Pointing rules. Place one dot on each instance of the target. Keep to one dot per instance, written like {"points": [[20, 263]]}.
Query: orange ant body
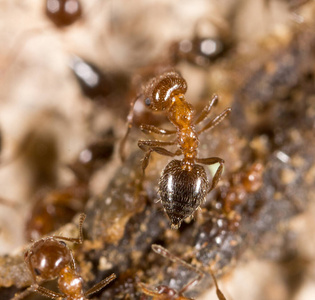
{"points": [[163, 292], [50, 258], [183, 185]]}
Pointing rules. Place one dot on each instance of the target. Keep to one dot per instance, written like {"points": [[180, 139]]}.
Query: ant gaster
{"points": [[164, 292], [183, 184], [50, 258]]}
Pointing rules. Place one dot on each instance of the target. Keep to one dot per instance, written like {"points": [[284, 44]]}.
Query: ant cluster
{"points": [[184, 183]]}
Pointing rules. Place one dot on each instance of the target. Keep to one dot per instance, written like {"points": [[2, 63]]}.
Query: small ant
{"points": [[183, 184], [163, 292], [50, 258]]}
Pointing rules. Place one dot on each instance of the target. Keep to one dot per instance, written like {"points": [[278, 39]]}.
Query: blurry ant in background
{"points": [[56, 207], [163, 292], [241, 184], [202, 50], [50, 258], [183, 184]]}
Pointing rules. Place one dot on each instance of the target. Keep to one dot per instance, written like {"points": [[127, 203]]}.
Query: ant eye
{"points": [[147, 102], [37, 272], [62, 243]]}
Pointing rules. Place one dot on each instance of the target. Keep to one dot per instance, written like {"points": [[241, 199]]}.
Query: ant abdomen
{"points": [[182, 191], [160, 90]]}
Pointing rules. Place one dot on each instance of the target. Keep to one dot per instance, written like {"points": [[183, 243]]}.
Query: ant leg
{"points": [[129, 126], [152, 129], [150, 146], [97, 287], [78, 240], [214, 122], [217, 175], [168, 255], [217, 289], [206, 111], [145, 289], [47, 293]]}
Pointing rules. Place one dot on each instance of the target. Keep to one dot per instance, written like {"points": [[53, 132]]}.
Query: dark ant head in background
{"points": [[63, 12]]}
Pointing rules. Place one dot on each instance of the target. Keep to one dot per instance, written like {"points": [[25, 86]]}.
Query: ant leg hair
{"points": [[150, 146], [217, 175], [152, 129], [168, 255], [78, 240], [48, 293], [214, 122], [97, 287], [129, 126], [206, 111]]}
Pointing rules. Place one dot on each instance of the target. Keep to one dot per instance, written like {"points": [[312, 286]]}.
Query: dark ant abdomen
{"points": [[182, 191]]}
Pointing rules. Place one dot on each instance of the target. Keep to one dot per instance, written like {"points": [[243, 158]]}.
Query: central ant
{"points": [[164, 292], [50, 258], [183, 184]]}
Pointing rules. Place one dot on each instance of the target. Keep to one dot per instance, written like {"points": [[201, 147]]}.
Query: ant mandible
{"points": [[164, 292], [183, 184], [50, 258]]}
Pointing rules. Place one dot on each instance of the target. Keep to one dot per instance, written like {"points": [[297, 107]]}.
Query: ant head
{"points": [[182, 190], [159, 91], [47, 257], [63, 12]]}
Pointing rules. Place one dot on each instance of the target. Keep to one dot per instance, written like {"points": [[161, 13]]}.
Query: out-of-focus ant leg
{"points": [[148, 129], [156, 146], [129, 126], [214, 122], [217, 175], [206, 111], [168, 255]]}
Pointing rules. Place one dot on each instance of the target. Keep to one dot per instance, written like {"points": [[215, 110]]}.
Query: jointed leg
{"points": [[78, 240], [214, 122], [165, 253], [97, 287], [156, 146], [206, 111], [47, 293], [217, 175], [152, 129], [129, 126]]}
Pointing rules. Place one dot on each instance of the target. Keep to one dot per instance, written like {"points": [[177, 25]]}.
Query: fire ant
{"points": [[50, 258], [183, 184], [166, 293]]}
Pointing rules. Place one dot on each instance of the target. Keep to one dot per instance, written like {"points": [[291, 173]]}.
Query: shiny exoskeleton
{"points": [[63, 12], [50, 258], [164, 292], [183, 185]]}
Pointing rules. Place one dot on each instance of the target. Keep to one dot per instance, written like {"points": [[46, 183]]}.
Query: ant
{"points": [[183, 184], [50, 258], [163, 292]]}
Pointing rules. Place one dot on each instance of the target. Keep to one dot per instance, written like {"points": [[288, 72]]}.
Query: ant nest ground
{"points": [[66, 85]]}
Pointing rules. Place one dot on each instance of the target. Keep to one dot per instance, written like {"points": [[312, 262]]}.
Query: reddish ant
{"points": [[50, 258], [166, 293], [183, 185]]}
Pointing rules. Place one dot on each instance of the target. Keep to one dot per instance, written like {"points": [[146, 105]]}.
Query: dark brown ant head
{"points": [[48, 257], [159, 91], [63, 12], [182, 190]]}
